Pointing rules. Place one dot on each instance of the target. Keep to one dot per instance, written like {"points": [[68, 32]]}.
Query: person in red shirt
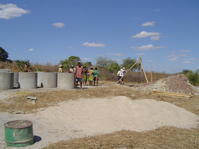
{"points": [[79, 74]]}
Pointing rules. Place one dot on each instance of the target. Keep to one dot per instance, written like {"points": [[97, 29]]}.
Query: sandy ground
{"points": [[5, 94], [89, 117]]}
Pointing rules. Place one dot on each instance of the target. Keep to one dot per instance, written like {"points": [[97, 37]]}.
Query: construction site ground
{"points": [[176, 129]]}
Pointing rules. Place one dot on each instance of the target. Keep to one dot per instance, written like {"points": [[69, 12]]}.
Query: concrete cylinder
{"points": [[16, 80], [27, 80], [47, 79], [65, 80], [6, 80], [5, 70]]}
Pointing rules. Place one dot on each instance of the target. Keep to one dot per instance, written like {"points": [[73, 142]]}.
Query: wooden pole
{"points": [[151, 76], [131, 67], [144, 72]]}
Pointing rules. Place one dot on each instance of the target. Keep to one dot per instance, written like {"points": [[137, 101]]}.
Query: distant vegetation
{"points": [[108, 68], [70, 61], [192, 76], [3, 55]]}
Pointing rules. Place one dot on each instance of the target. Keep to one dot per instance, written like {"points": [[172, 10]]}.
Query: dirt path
{"points": [[89, 117]]}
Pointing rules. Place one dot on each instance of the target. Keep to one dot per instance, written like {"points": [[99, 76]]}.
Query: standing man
{"points": [[85, 75], [96, 76], [79, 74], [90, 76]]}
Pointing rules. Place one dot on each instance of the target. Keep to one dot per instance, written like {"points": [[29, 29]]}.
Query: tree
{"points": [[193, 78], [103, 61], [3, 55], [128, 62], [88, 64], [21, 64], [72, 60], [186, 71], [113, 67]]}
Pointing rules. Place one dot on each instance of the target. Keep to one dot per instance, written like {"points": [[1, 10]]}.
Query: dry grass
{"points": [[8, 65], [47, 98], [162, 138], [139, 76], [35, 67], [45, 68], [52, 97]]}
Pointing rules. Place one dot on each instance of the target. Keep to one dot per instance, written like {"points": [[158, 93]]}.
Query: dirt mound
{"points": [[94, 116], [178, 83]]}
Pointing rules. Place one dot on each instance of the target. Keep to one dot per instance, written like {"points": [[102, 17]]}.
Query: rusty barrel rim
{"points": [[17, 124]]}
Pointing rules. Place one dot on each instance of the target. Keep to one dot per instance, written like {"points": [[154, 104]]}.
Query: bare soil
{"points": [[163, 137]]}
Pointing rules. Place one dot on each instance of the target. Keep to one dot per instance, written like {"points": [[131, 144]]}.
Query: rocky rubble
{"points": [[177, 83]]}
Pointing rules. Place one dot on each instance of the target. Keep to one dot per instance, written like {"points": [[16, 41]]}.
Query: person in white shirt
{"points": [[72, 69], [120, 75], [60, 69]]}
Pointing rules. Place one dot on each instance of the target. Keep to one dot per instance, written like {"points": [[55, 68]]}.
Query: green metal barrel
{"points": [[19, 133]]}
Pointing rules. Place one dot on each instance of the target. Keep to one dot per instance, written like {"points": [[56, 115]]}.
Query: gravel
{"points": [[178, 83], [89, 117]]}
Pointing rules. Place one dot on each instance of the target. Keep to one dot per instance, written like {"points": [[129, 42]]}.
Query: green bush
{"points": [[129, 62], [21, 64], [113, 67], [192, 76], [72, 60]]}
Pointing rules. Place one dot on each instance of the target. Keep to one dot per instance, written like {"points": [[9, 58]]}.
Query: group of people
{"points": [[90, 76], [84, 75]]}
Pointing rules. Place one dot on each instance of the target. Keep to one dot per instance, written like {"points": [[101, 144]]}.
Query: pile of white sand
{"points": [[89, 117]]}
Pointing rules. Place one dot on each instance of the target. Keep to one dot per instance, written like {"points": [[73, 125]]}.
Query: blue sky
{"points": [[164, 32]]}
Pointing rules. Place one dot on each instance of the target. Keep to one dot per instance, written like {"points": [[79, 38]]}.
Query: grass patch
{"points": [[162, 138], [52, 97]]}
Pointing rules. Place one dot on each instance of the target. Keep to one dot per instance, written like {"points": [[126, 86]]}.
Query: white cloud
{"points": [[30, 49], [190, 60], [147, 47], [9, 11], [93, 44], [144, 34], [86, 59], [187, 62], [151, 23], [58, 24], [155, 37], [140, 54], [118, 54], [185, 51], [175, 57]]}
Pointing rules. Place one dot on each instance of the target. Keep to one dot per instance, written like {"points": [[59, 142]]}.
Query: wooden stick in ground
{"points": [[144, 72], [151, 76], [131, 67]]}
